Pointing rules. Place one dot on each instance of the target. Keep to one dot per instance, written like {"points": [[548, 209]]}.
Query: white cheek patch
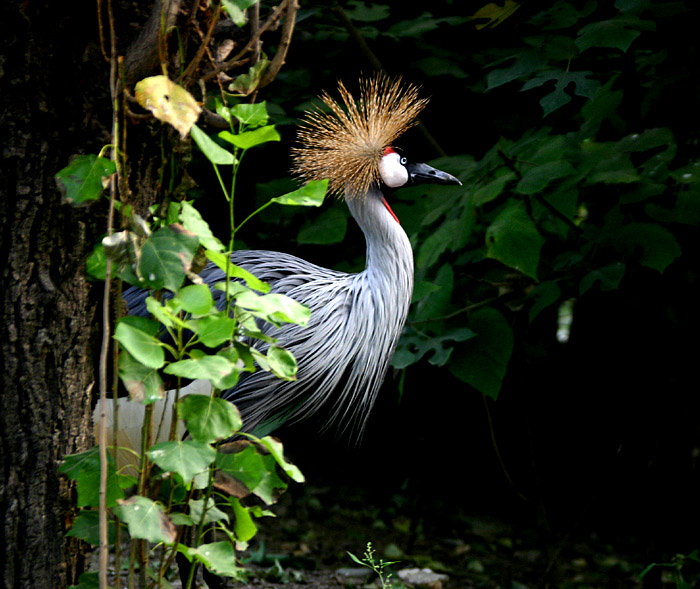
{"points": [[392, 172]]}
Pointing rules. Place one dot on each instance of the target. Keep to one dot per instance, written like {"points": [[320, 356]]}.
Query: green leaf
{"points": [[608, 276], [166, 257], [143, 382], [543, 295], [526, 63], [137, 338], [656, 245], [84, 468], [166, 313], [213, 368], [537, 178], [146, 520], [513, 239], [442, 239], [168, 102], [246, 83], [558, 98], [276, 450], [282, 363], [492, 190], [219, 558], [616, 33], [181, 519], [244, 527], [209, 419], [236, 10], [187, 458], [82, 180], [224, 263], [245, 465], [361, 12], [482, 361], [275, 308], [494, 13], [256, 471], [414, 346], [214, 330], [437, 303], [210, 515], [213, 151], [87, 580], [86, 526], [251, 115], [686, 209], [96, 264], [196, 299], [309, 195], [248, 139], [329, 227], [193, 222]]}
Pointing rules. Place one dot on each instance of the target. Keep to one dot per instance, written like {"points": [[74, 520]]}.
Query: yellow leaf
{"points": [[494, 13], [168, 102]]}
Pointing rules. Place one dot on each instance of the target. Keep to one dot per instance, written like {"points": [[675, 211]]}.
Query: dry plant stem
{"points": [[285, 40], [374, 62], [188, 74], [104, 350], [254, 26], [228, 64], [358, 38], [494, 442]]}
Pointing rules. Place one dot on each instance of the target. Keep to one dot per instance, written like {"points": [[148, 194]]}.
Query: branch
{"points": [[283, 47], [228, 64], [192, 66]]}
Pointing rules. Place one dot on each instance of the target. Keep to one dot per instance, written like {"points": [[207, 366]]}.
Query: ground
{"points": [[316, 527]]}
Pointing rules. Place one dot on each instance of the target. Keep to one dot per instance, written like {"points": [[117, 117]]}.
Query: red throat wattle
{"points": [[388, 208]]}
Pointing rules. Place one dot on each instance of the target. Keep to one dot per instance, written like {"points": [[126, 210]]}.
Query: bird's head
{"points": [[351, 144], [396, 171]]}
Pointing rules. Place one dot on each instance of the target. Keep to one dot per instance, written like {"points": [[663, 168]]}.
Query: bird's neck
{"points": [[389, 255]]}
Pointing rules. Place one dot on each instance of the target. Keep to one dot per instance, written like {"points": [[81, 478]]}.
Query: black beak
{"points": [[425, 174]]}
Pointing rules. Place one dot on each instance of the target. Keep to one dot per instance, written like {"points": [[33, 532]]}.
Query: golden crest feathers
{"points": [[346, 145]]}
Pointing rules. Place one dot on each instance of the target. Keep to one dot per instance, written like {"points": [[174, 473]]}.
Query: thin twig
{"points": [[101, 32], [467, 309], [254, 26], [376, 64], [106, 335], [357, 36], [228, 64], [192, 66], [494, 443], [283, 46]]}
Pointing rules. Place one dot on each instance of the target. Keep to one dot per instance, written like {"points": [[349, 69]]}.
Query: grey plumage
{"points": [[344, 352]]}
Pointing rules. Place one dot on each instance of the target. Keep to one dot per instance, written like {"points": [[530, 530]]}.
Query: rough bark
{"points": [[48, 85]]}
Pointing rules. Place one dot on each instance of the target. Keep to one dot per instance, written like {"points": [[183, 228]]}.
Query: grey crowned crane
{"points": [[344, 352]]}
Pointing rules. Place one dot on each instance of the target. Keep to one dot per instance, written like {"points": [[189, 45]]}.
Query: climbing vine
{"points": [[172, 494]]}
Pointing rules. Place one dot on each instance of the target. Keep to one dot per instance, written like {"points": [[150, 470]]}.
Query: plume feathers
{"points": [[346, 144]]}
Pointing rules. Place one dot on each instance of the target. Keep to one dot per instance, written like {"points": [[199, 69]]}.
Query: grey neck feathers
{"points": [[389, 254]]}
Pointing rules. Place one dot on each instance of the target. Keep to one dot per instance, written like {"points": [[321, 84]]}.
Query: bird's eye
{"points": [[403, 161]]}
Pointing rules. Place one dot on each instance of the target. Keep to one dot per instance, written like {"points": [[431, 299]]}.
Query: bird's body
{"points": [[344, 352]]}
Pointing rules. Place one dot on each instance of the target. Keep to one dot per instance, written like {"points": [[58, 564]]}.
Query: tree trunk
{"points": [[48, 82]]}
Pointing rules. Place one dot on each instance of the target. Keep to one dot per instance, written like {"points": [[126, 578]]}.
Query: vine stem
{"points": [[106, 331], [104, 352]]}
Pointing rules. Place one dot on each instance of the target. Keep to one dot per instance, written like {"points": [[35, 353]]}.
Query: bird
{"points": [[344, 352]]}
